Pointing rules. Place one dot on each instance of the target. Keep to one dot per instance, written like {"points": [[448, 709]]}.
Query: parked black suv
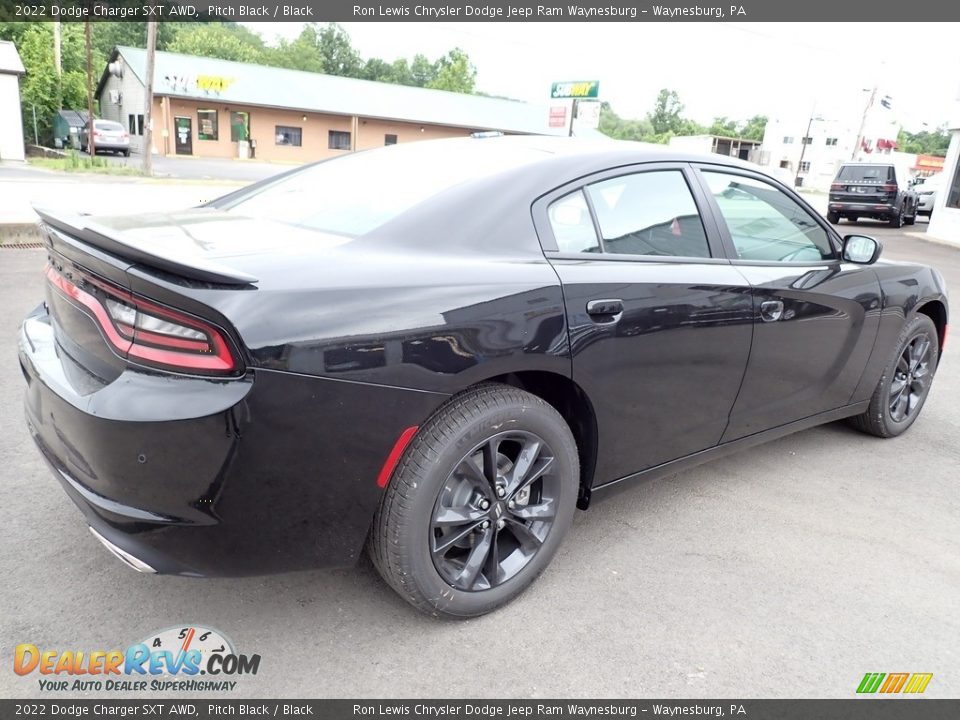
{"points": [[872, 190]]}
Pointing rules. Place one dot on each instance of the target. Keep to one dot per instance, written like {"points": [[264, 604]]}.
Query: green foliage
{"points": [[454, 72], [666, 121], [925, 142], [665, 116], [75, 162], [219, 40]]}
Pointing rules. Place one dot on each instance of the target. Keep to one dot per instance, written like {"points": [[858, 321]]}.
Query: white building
{"points": [[11, 124], [813, 148], [945, 221]]}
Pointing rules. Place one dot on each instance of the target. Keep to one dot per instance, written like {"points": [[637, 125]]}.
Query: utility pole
{"points": [[57, 63], [91, 144], [148, 98], [863, 123]]}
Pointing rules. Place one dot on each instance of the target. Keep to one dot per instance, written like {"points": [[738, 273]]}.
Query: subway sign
{"points": [[579, 89]]}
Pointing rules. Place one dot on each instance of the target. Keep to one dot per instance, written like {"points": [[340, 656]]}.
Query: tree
{"points": [[337, 53], [723, 126], [753, 128], [301, 54], [454, 72], [219, 40], [422, 71], [619, 128], [665, 116]]}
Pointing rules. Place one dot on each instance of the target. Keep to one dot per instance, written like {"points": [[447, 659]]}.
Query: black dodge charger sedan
{"points": [[440, 350]]}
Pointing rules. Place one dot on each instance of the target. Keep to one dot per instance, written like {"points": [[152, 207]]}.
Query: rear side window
{"points": [[649, 213], [572, 225], [866, 173], [108, 125]]}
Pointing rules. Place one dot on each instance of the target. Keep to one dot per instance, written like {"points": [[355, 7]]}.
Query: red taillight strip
{"points": [[221, 359], [393, 458], [93, 305]]}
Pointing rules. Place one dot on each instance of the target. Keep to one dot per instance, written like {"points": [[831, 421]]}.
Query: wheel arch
{"points": [[937, 312], [573, 404]]}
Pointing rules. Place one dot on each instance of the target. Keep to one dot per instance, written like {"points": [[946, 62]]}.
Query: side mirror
{"points": [[861, 249]]}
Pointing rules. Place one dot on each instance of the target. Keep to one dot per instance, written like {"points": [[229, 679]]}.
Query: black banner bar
{"points": [[853, 709], [856, 11]]}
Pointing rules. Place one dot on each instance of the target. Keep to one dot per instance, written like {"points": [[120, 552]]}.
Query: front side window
{"points": [[649, 213], [207, 125], [765, 223], [289, 135], [572, 225], [339, 140]]}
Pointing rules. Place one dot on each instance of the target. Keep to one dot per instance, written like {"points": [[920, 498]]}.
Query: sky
{"points": [[786, 70]]}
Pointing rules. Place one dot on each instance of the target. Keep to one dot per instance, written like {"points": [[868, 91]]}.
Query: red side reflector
{"points": [[393, 458]]}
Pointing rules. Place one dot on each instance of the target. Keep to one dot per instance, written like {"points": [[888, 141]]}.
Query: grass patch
{"points": [[75, 162]]}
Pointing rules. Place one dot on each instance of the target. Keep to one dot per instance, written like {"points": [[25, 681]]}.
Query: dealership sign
{"points": [[577, 90]]}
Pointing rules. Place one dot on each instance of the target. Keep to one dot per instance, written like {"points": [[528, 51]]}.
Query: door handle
{"points": [[607, 309], [771, 310]]}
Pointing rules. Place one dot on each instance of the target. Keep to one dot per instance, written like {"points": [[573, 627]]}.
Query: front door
{"points": [[659, 323], [183, 135], [815, 317]]}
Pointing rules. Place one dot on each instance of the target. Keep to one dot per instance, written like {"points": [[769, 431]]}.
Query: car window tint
{"points": [[765, 223], [866, 173], [650, 213], [108, 125], [571, 224]]}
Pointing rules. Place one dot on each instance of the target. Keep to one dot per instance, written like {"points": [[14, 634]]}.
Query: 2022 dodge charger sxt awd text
{"points": [[441, 349]]}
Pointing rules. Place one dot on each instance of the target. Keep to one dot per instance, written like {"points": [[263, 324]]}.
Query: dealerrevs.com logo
{"points": [[169, 660], [894, 683]]}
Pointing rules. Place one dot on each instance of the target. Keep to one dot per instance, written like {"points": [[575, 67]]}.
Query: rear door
{"points": [[815, 317], [659, 321]]}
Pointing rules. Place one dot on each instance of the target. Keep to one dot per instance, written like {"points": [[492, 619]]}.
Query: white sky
{"points": [[734, 69]]}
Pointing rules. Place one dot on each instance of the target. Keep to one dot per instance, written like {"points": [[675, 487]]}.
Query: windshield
{"points": [[866, 173], [357, 193]]}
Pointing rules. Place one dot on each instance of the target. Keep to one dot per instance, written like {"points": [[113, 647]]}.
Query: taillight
{"points": [[836, 186], [149, 333], [888, 188]]}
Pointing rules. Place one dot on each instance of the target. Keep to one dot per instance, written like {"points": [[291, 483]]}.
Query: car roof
{"points": [[574, 151]]}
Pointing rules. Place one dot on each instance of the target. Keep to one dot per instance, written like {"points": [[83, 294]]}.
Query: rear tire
{"points": [[905, 383], [833, 218], [428, 539], [896, 220]]}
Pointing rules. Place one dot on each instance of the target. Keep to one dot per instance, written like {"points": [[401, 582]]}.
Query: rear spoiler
{"points": [[102, 238]]}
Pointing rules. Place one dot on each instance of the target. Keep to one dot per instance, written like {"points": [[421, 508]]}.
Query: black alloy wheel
{"points": [[495, 511], [903, 388], [910, 378], [479, 503]]}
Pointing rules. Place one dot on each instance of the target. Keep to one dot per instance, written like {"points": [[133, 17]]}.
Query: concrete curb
{"points": [[933, 239], [19, 233]]}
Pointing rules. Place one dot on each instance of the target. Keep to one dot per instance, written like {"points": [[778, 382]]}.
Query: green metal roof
{"points": [[189, 76]]}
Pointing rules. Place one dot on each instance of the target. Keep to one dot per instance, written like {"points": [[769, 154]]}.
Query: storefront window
{"points": [[338, 140], [239, 126], [207, 124], [289, 136]]}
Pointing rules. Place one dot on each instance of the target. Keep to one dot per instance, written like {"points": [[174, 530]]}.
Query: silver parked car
{"points": [[927, 193], [107, 135]]}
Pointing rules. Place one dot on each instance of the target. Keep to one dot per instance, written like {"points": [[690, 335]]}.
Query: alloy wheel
{"points": [[494, 511], [910, 378]]}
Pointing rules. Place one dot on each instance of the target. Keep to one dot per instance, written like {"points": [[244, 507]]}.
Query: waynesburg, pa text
{"points": [[580, 12]]}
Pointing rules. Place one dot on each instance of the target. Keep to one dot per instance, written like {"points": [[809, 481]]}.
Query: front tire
{"points": [[905, 383], [479, 503]]}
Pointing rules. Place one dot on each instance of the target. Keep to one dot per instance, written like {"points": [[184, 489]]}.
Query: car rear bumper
{"points": [[863, 209], [192, 476], [108, 145]]}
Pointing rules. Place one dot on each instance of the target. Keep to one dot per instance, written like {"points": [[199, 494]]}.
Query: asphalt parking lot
{"points": [[788, 570]]}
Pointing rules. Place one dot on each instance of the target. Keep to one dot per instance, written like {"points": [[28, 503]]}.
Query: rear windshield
{"points": [[866, 173], [108, 125], [354, 194]]}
